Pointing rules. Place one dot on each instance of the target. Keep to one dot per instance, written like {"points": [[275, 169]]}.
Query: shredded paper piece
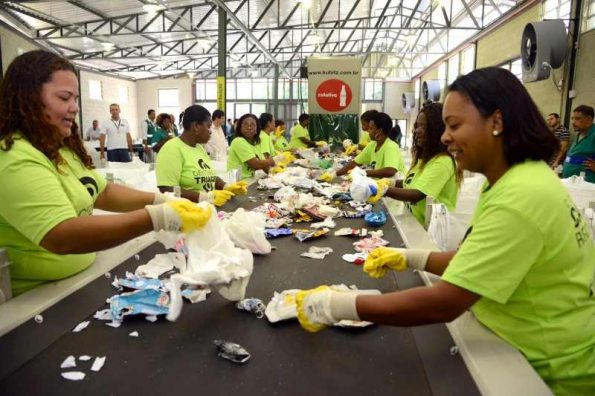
{"points": [[69, 362], [98, 363], [73, 375], [85, 358], [133, 334], [81, 326]]}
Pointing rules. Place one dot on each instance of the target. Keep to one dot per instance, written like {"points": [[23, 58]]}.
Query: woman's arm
{"points": [[443, 302], [438, 261], [350, 165], [188, 194], [86, 234], [405, 194], [257, 164], [119, 198], [384, 172]]}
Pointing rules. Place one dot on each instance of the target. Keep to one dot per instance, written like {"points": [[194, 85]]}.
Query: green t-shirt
{"points": [[364, 138], [388, 156], [35, 197], [298, 132], [436, 180], [241, 151], [578, 153], [529, 253], [158, 135], [179, 164], [266, 144], [280, 143]]}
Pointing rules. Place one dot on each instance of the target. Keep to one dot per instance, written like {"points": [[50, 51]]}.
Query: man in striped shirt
{"points": [[563, 135]]}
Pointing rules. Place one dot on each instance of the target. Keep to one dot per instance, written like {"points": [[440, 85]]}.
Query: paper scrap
{"points": [[81, 326], [151, 318], [85, 358], [104, 314], [133, 334], [98, 363], [114, 324], [69, 362], [318, 253], [73, 375]]}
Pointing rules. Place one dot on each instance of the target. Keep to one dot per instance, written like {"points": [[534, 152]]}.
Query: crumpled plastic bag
{"points": [[213, 260], [445, 229], [362, 187], [246, 230], [161, 264]]}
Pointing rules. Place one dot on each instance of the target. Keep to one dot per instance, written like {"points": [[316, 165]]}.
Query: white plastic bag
{"points": [[213, 260], [362, 187], [246, 230], [445, 229]]}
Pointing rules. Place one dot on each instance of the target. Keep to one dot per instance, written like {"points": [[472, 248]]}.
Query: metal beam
{"points": [[249, 34], [470, 14]]}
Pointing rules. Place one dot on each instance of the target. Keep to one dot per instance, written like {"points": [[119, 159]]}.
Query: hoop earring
{"points": [[495, 132]]}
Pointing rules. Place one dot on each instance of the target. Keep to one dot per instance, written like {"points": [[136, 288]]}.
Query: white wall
{"points": [[111, 89], [11, 44], [393, 90], [146, 91]]}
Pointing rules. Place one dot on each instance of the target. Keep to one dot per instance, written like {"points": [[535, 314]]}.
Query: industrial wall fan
{"points": [[543, 47]]}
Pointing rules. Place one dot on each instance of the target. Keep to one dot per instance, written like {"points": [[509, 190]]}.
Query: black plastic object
{"points": [[231, 351]]}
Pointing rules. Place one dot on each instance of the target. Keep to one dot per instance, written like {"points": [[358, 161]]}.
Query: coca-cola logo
{"points": [[333, 95]]}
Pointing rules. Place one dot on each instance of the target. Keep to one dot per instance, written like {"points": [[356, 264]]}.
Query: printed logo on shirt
{"points": [[408, 179], [581, 229], [90, 184], [205, 176], [373, 164]]}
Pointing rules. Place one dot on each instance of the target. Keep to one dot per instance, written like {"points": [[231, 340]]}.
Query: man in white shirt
{"points": [[119, 141], [217, 144], [93, 132], [147, 128]]}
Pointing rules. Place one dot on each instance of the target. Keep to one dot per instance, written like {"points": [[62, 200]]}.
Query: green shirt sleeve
{"points": [[434, 176], [244, 150], [391, 157], [168, 168], [365, 157], [491, 262], [46, 204]]}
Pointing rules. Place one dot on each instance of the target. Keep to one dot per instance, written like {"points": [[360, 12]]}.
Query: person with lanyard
{"points": [[183, 161], [217, 144], [300, 137], [46, 222], [162, 133], [148, 127], [267, 125], [534, 289], [279, 140], [119, 141], [383, 155], [581, 156], [245, 152], [433, 171]]}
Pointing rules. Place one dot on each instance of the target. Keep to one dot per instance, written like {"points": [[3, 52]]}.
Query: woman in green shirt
{"points": [[244, 151], [267, 125], [382, 155], [526, 265], [433, 172], [162, 132], [183, 161], [49, 184], [279, 140]]}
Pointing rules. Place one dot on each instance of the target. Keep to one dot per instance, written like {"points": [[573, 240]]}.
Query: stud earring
{"points": [[495, 132]]}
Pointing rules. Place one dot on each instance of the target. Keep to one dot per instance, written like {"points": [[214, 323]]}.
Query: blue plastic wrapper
{"points": [[342, 197], [375, 219], [277, 232], [147, 302], [140, 283]]}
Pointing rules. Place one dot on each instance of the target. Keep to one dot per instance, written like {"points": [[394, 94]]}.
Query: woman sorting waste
{"points": [[279, 140], [382, 154], [245, 152], [50, 187], [433, 171], [267, 125], [525, 268], [184, 162]]}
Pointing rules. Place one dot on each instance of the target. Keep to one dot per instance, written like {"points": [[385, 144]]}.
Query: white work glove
{"points": [[278, 158], [163, 198]]}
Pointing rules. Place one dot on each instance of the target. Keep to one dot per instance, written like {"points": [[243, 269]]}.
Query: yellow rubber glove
{"points": [[321, 143], [277, 169], [382, 186], [220, 197], [351, 149], [180, 215], [314, 308], [383, 258], [238, 188], [327, 176]]}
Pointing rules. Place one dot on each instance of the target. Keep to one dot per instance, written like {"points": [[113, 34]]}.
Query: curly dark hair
{"points": [[237, 132], [432, 145], [22, 110], [161, 117]]}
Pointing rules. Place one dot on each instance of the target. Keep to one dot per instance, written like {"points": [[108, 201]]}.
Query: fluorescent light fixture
{"points": [[305, 3], [108, 46], [153, 9]]}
